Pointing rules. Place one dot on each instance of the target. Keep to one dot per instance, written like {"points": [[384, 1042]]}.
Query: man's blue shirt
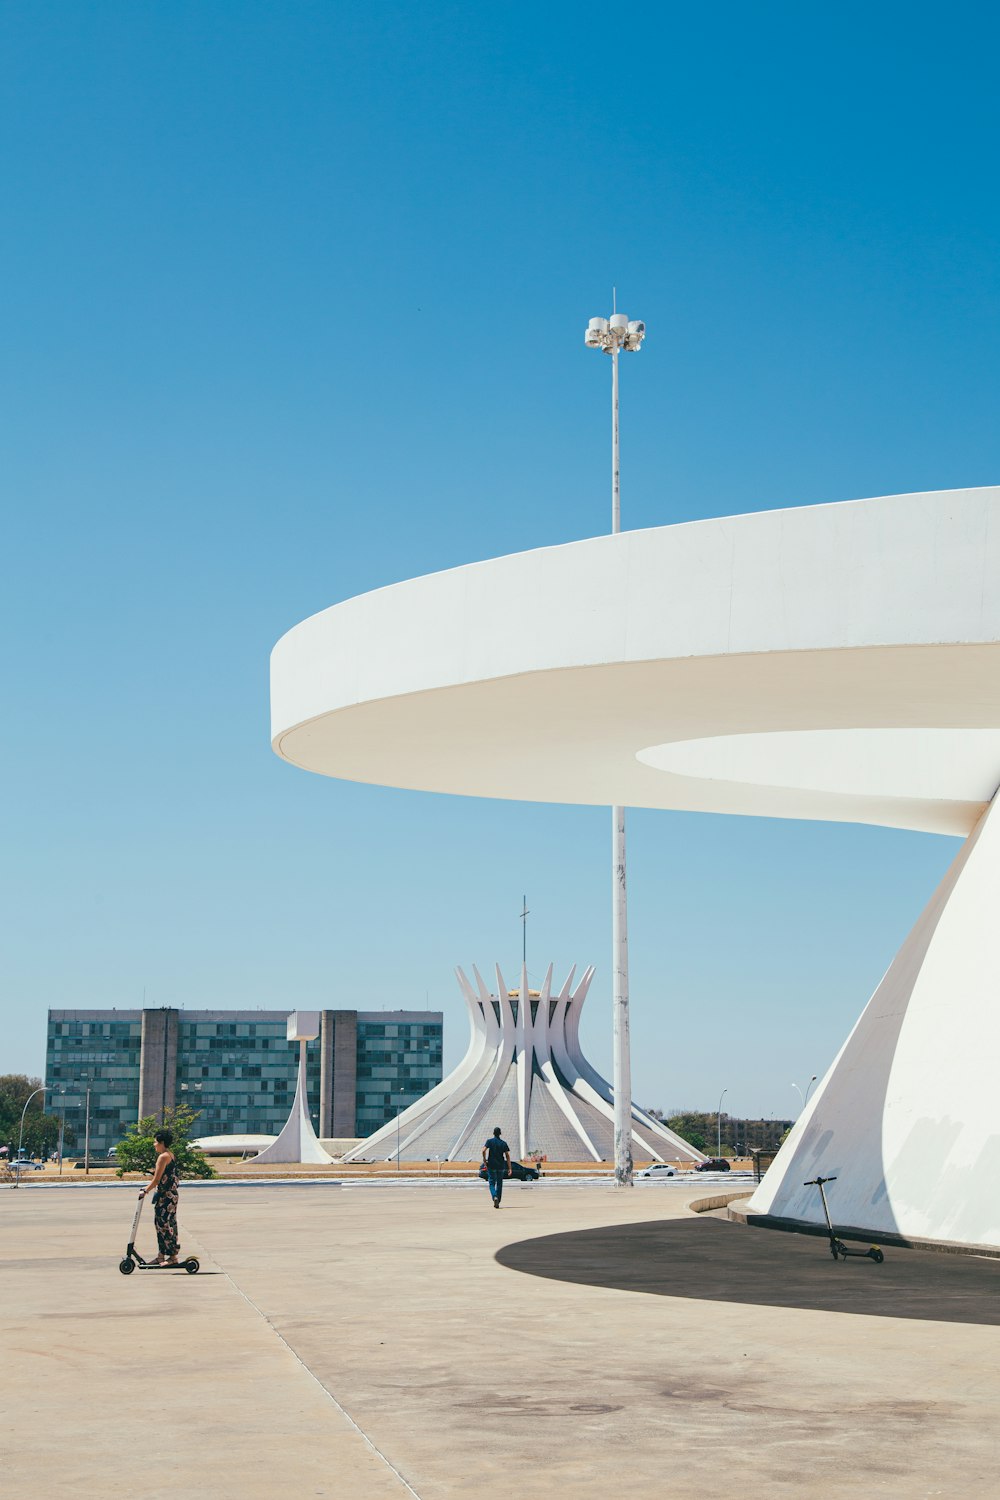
{"points": [[496, 1149]]}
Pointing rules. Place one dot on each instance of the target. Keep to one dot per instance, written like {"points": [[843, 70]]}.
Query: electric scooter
{"points": [[837, 1247], [190, 1264]]}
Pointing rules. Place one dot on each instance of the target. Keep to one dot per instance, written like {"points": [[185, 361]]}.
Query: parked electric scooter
{"points": [[190, 1264], [837, 1247]]}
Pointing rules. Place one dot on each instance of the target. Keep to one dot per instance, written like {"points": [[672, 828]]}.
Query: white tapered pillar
{"points": [[622, 1062]]}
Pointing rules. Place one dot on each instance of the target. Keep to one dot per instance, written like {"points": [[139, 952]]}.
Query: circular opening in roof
{"points": [[933, 765]]}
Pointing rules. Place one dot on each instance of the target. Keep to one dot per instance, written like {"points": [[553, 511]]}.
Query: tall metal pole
{"points": [[622, 1062], [718, 1121], [614, 335], [86, 1139], [62, 1130], [616, 495]]}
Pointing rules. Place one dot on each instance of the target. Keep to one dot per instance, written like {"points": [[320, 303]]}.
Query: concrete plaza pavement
{"points": [[366, 1342]]}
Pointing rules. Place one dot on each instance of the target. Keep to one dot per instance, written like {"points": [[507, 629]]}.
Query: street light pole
{"points": [[62, 1129], [86, 1139], [718, 1122], [805, 1097], [20, 1138], [613, 335]]}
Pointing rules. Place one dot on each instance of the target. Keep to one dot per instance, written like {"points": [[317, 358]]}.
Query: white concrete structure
{"points": [[838, 662], [906, 1117], [523, 1070], [297, 1140], [233, 1145]]}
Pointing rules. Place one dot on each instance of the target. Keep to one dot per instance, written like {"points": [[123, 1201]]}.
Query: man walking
{"points": [[496, 1155]]}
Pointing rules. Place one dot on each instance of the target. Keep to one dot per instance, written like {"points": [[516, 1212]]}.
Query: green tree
{"points": [[690, 1126], [137, 1150], [41, 1131]]}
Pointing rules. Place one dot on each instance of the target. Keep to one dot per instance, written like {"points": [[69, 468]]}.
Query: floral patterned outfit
{"points": [[165, 1211]]}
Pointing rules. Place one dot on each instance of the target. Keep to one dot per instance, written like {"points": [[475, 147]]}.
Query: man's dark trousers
{"points": [[495, 1177]]}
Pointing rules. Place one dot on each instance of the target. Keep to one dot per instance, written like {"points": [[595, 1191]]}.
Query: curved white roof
{"points": [[836, 661], [233, 1145]]}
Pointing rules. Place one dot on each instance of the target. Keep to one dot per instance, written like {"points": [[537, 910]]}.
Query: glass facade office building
{"points": [[236, 1069], [99, 1047], [398, 1061]]}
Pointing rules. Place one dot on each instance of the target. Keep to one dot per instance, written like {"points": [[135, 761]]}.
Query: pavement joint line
{"points": [[316, 1380]]}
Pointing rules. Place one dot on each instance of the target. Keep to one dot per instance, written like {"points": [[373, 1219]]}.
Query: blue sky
{"points": [[294, 300]]}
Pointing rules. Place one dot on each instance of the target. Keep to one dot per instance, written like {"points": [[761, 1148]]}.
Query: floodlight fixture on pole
{"points": [[613, 336]]}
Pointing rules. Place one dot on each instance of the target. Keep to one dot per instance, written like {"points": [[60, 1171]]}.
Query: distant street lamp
{"points": [[20, 1138], [192, 1087], [718, 1121], [804, 1097], [62, 1129], [614, 335], [86, 1135]]}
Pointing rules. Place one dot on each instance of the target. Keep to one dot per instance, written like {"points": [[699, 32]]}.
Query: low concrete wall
{"points": [[850, 1232], [718, 1200]]}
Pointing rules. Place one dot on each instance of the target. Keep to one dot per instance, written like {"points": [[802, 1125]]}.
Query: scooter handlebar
{"points": [[818, 1181]]}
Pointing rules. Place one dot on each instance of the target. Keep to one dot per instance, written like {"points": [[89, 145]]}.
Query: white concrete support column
{"points": [[622, 1073], [298, 1141], [616, 478]]}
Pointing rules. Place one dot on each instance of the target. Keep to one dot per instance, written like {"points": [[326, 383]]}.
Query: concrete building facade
{"points": [[236, 1068]]}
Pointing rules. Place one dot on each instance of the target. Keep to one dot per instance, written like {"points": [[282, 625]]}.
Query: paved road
{"points": [[362, 1345]]}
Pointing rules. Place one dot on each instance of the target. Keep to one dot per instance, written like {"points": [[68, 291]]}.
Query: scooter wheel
{"points": [[126, 1266], [876, 1255], [192, 1266], [834, 1252]]}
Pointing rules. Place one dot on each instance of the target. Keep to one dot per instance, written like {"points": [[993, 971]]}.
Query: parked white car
{"points": [[658, 1169]]}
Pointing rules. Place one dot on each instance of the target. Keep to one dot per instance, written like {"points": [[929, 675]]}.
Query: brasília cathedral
{"points": [[836, 662], [525, 1071]]}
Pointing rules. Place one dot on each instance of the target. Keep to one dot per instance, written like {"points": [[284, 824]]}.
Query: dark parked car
{"points": [[713, 1164], [518, 1172]]}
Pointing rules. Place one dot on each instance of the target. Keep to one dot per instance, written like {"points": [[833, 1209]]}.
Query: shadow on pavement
{"points": [[716, 1261]]}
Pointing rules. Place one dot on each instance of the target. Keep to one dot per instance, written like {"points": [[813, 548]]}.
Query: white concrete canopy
{"points": [[838, 662], [878, 616]]}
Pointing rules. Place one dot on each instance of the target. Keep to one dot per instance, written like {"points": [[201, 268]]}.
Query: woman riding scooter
{"points": [[165, 1202]]}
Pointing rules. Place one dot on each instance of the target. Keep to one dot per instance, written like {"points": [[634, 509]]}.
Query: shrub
{"points": [[137, 1150]]}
